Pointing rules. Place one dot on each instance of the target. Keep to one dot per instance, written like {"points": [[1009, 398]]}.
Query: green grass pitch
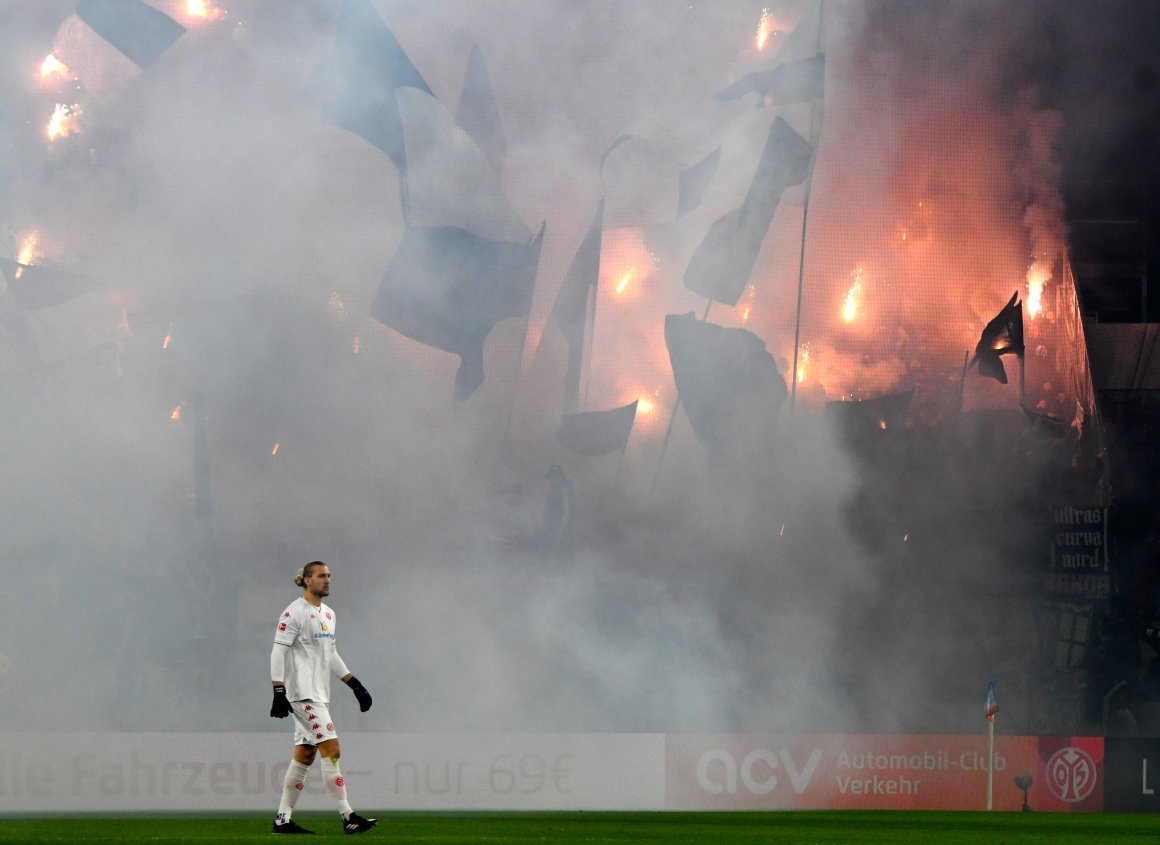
{"points": [[783, 828]]}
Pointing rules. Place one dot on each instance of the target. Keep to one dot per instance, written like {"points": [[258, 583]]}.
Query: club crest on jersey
{"points": [[282, 627]]}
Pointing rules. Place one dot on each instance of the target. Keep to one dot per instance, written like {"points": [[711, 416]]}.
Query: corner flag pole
{"points": [[990, 709], [990, 761]]}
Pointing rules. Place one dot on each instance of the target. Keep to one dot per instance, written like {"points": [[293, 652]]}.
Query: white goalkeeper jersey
{"points": [[306, 634]]}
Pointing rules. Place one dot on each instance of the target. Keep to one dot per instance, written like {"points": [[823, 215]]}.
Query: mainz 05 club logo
{"points": [[1071, 774]]}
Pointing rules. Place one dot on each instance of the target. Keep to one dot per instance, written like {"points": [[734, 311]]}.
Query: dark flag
{"points": [[721, 266], [1002, 336], [478, 113], [139, 31], [570, 310], [694, 181], [355, 84], [860, 419], [791, 82], [597, 432], [34, 286], [728, 383], [447, 288]]}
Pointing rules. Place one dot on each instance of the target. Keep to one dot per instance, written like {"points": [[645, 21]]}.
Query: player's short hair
{"points": [[306, 571]]}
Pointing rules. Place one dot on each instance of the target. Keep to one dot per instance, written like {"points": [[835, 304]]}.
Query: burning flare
{"points": [[1037, 275], [63, 121], [853, 301], [625, 279], [203, 10], [764, 30], [274, 451], [52, 66], [176, 415], [803, 362], [29, 252]]}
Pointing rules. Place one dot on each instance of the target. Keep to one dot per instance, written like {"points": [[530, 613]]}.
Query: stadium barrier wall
{"points": [[142, 772]]}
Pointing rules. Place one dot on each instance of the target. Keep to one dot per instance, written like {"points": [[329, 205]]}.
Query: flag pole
{"points": [[818, 112], [990, 761]]}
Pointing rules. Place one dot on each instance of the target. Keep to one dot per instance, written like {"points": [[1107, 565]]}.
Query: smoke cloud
{"points": [[221, 409]]}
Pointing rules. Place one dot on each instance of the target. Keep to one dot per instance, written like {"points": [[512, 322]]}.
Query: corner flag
{"points": [[991, 707]]}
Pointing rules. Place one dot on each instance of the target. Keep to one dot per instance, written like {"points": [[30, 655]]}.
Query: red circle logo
{"points": [[299, 785], [338, 781], [1071, 774], [329, 726]]}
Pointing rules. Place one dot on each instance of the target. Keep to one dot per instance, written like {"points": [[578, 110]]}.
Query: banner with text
{"points": [[871, 772]]}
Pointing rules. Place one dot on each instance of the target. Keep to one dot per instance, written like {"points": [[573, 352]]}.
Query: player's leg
{"points": [[295, 780], [330, 750]]}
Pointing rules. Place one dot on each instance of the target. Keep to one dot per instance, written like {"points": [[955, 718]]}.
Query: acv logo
{"points": [[718, 771], [1071, 774]]}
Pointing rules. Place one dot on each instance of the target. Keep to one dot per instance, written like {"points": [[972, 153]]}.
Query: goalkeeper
{"points": [[301, 663]]}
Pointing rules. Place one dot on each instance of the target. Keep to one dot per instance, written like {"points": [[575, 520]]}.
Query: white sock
{"points": [[292, 786], [335, 784]]}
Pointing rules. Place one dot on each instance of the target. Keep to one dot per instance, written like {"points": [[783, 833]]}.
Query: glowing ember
{"points": [[625, 278], [1037, 275], [882, 424], [905, 537], [853, 301], [176, 415], [52, 66], [645, 405], [764, 29], [165, 343], [274, 451], [63, 121], [203, 10], [356, 344]]}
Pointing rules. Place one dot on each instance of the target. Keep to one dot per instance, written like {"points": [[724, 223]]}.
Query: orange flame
{"points": [[274, 451], [1037, 275], [176, 415], [63, 121], [52, 66], [645, 405], [764, 29], [853, 301], [803, 362], [203, 10], [28, 249], [625, 278]]}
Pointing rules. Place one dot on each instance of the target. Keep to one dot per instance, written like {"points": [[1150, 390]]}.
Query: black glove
{"points": [[360, 692], [280, 709]]}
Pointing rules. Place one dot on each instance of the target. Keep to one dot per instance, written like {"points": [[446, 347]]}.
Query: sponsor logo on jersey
{"points": [[324, 635]]}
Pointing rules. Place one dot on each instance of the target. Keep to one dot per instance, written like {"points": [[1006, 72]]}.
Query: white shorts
{"points": [[312, 723]]}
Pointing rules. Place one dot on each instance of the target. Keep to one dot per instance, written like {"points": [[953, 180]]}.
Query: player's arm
{"points": [[284, 635], [338, 667]]}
